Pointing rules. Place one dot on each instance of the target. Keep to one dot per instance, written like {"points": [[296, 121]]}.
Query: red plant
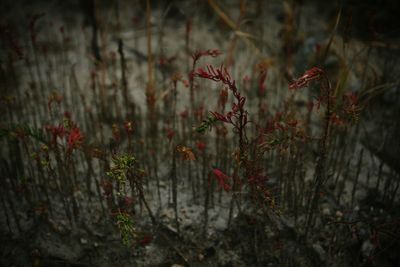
{"points": [[56, 131], [222, 179], [128, 125], [196, 56], [199, 112], [336, 120], [261, 82], [184, 114], [223, 97], [75, 139], [213, 53], [166, 61], [201, 145], [67, 116], [237, 112], [170, 134], [310, 75], [218, 116]]}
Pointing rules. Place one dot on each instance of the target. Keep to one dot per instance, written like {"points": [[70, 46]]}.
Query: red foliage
{"points": [[213, 53], [75, 139], [223, 97], [310, 75], [222, 179], [219, 116], [164, 61], [184, 114], [201, 145], [261, 83], [56, 131], [170, 134], [128, 125]]}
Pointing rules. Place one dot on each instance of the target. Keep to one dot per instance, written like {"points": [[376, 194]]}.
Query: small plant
{"points": [[223, 179], [122, 164], [126, 227], [246, 168], [349, 110], [125, 173]]}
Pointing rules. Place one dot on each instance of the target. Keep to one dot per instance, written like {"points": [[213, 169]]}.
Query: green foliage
{"points": [[126, 227], [122, 164], [23, 130], [206, 124]]}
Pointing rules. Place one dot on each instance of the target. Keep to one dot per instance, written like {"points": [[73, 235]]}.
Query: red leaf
{"points": [[310, 75], [222, 179]]}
